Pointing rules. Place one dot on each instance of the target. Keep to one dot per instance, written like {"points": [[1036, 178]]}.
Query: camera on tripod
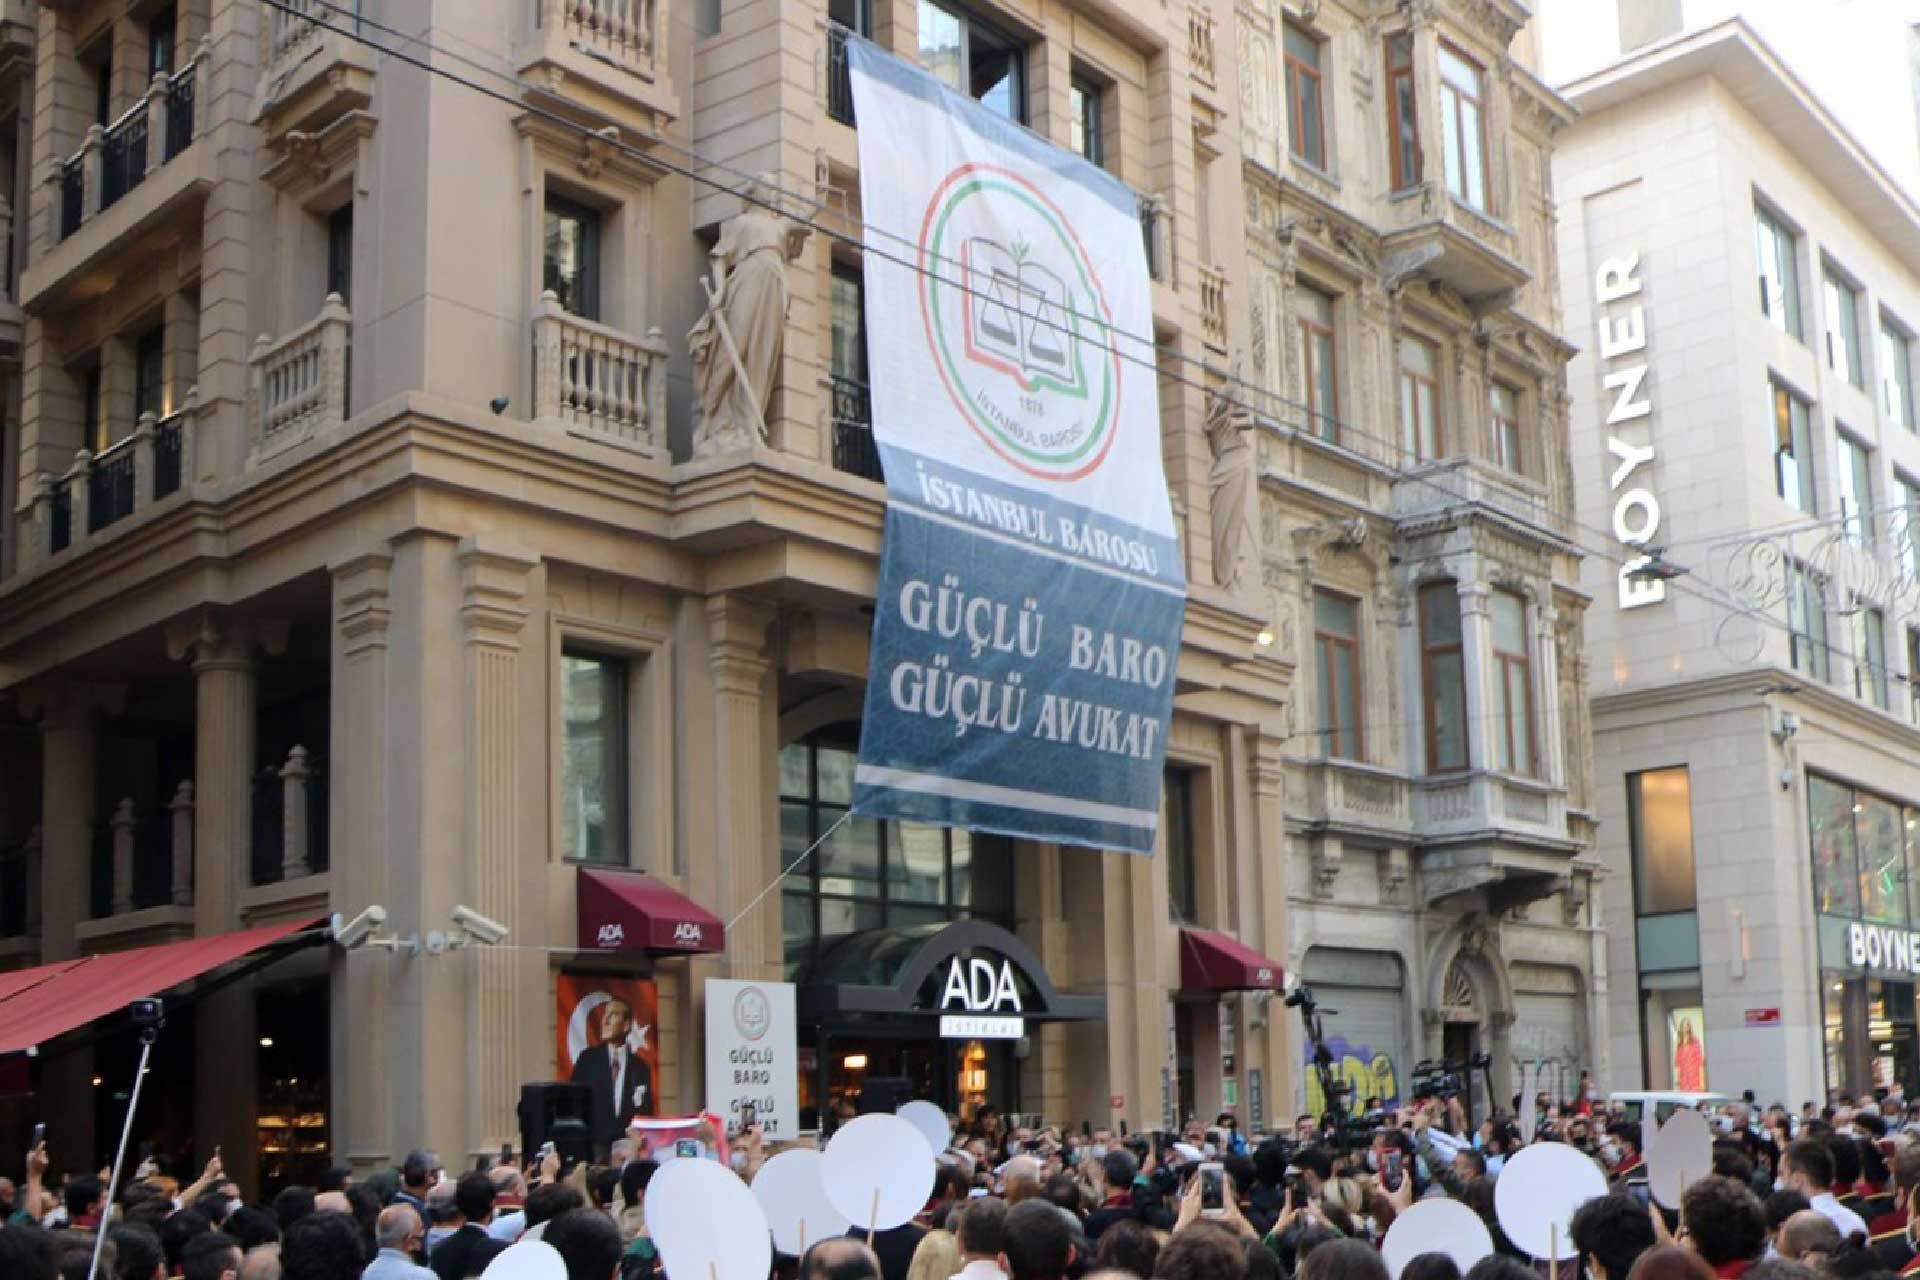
{"points": [[1432, 1079]]}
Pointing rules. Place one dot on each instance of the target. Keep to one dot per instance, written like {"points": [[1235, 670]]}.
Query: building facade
{"points": [[1416, 511], [1741, 277], [365, 546]]}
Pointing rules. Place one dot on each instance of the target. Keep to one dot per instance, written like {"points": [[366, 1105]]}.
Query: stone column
{"points": [[123, 823], [181, 807], [221, 648], [360, 981], [1476, 652], [1548, 723], [493, 610]]}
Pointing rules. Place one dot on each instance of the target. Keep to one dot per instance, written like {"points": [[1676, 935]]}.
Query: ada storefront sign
{"points": [[1031, 595], [753, 1055], [979, 1000]]}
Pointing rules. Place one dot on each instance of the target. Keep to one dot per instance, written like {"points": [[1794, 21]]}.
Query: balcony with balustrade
{"points": [[144, 471], [140, 884], [609, 56], [300, 382], [597, 382], [1459, 482], [135, 181], [317, 68], [854, 451]]}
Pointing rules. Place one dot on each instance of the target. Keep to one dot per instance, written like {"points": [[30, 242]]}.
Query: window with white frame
{"points": [[1870, 655], [1905, 524], [1807, 621], [974, 58], [1853, 474], [1792, 449], [1778, 252], [1896, 373], [1503, 405], [1463, 126], [1843, 328], [1319, 360]]}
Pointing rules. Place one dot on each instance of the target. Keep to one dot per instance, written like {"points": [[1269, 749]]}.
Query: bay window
{"points": [[1443, 677], [1513, 736]]}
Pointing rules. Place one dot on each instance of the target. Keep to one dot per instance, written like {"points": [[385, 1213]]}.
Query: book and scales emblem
{"points": [[1020, 318]]}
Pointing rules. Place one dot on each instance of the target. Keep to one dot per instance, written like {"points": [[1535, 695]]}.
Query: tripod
{"points": [[147, 1016]]}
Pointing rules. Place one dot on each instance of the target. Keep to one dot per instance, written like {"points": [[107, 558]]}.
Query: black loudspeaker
{"points": [[558, 1113], [883, 1094]]}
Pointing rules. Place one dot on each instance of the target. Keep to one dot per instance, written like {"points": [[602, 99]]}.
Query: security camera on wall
{"points": [[478, 927], [351, 933]]}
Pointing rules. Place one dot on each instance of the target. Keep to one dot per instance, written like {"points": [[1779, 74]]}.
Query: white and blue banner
{"points": [[1027, 627]]}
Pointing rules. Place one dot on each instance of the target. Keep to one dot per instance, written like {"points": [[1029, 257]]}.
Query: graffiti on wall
{"points": [[1365, 1071]]}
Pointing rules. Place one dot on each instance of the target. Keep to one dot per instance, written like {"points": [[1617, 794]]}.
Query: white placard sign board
{"points": [[877, 1171], [753, 1055], [1436, 1226], [1679, 1154], [706, 1223], [789, 1190], [1538, 1190], [932, 1123], [529, 1260]]}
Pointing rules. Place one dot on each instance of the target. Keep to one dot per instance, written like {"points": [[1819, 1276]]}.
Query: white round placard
{"points": [[1537, 1192], [931, 1121], [528, 1260], [1436, 1226], [1679, 1154], [789, 1190], [877, 1172], [705, 1221]]}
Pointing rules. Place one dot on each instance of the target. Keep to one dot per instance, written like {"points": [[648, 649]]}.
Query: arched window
{"points": [[872, 874]]}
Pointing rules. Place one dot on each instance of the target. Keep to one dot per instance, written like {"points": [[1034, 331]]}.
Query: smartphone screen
{"points": [[687, 1148], [39, 1133], [1393, 1170], [1213, 1188]]}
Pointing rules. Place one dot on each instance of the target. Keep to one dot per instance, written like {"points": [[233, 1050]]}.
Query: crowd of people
{"points": [[1827, 1194]]}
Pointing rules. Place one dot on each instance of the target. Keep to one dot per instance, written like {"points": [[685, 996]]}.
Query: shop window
{"points": [[1403, 126], [1463, 123], [1419, 399], [1870, 655], [1896, 373], [868, 873], [1674, 1030], [1792, 450], [572, 256], [1306, 116], [1778, 254], [593, 820], [1854, 477], [340, 252], [1183, 881], [974, 58], [160, 36], [1836, 878], [1513, 736], [1084, 120], [1843, 328], [1868, 1032], [1320, 361], [1336, 643], [1660, 831], [1443, 677], [1807, 621], [1503, 406]]}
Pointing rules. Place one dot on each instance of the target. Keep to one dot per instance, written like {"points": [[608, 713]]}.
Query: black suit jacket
{"points": [[612, 1109], [465, 1253]]}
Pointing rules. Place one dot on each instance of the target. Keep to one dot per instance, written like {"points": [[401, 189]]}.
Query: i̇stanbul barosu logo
{"points": [[1018, 323]]}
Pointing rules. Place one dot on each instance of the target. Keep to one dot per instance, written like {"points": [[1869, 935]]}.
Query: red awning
{"points": [[631, 912], [1212, 961], [38, 1004]]}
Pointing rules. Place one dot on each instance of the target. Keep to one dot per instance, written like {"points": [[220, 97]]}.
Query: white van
{"points": [[1663, 1104]]}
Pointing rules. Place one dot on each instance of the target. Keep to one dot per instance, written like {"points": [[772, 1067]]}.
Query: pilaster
{"points": [[1476, 649], [1266, 771], [740, 663], [493, 613], [360, 981], [1552, 765]]}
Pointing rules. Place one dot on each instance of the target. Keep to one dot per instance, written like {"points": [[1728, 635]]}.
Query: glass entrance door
{"points": [[960, 1076]]}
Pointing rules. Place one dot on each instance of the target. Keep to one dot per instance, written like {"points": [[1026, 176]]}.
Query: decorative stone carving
{"points": [[1396, 868], [1327, 856], [1231, 485], [736, 344]]}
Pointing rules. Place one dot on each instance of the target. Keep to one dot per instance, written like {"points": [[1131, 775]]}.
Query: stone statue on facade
{"points": [[1232, 486], [736, 344]]}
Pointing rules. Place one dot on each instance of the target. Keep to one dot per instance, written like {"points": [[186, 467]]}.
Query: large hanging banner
{"points": [[1031, 592]]}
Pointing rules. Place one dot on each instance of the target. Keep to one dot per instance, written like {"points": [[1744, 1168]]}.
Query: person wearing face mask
{"points": [[1631, 1170]]}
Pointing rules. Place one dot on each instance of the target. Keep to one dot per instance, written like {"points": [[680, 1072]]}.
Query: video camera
{"points": [[1432, 1079]]}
